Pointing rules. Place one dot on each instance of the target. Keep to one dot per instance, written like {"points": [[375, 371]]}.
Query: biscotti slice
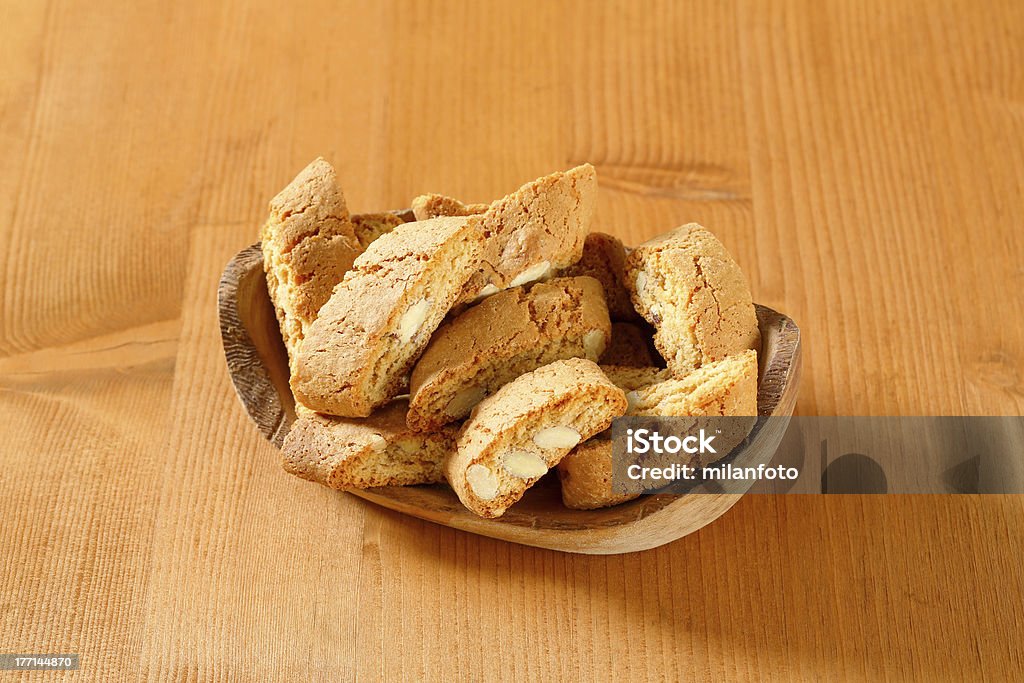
{"points": [[727, 387], [539, 228], [428, 206], [507, 335], [358, 352], [630, 345], [688, 286], [308, 244], [604, 258], [585, 476], [723, 387], [362, 453], [370, 226], [526, 427]]}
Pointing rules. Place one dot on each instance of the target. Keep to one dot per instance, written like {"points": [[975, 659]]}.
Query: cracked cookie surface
{"points": [[604, 258], [308, 245], [687, 285]]}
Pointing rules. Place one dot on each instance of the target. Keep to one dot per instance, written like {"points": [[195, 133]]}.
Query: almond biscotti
{"points": [[362, 453], [536, 230], [308, 244], [505, 336], [723, 387], [629, 378], [585, 476], [688, 286], [358, 352], [727, 387], [513, 437], [604, 258]]}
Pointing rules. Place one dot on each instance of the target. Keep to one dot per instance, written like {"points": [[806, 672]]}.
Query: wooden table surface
{"points": [[863, 161]]}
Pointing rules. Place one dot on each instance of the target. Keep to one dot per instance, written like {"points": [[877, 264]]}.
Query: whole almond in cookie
{"points": [[513, 437]]}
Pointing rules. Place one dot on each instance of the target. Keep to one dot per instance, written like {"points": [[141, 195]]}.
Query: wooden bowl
{"points": [[258, 366]]}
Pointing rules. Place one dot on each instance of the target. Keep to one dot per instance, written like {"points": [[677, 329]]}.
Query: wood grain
{"points": [[872, 148]]}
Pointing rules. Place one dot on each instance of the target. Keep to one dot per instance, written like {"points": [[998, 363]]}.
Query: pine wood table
{"points": [[863, 161]]}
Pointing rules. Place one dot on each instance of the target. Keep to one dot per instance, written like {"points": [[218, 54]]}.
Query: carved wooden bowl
{"points": [[258, 366]]}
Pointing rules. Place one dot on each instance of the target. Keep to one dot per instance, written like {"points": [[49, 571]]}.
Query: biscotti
{"points": [[532, 232], [513, 437], [308, 244], [427, 206], [629, 345], [727, 387], [370, 226], [362, 453], [723, 387], [688, 286], [505, 336], [357, 353], [585, 476], [604, 258]]}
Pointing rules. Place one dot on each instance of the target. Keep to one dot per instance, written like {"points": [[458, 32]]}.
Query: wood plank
{"points": [[860, 159]]}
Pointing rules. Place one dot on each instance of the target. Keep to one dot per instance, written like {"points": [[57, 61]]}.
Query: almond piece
{"points": [[524, 464], [556, 437], [412, 320], [464, 401], [534, 272], [594, 343], [482, 481], [408, 445], [641, 282], [485, 291]]}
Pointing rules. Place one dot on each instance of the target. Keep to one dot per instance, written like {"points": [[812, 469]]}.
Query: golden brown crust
{"points": [[370, 226], [719, 388], [362, 453], [586, 476], [308, 244], [507, 335], [688, 286]]}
